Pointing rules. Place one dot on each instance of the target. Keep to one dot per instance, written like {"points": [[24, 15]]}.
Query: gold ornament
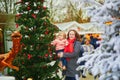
{"points": [[29, 79]]}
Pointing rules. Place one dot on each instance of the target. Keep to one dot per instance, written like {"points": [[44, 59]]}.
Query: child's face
{"points": [[61, 36]]}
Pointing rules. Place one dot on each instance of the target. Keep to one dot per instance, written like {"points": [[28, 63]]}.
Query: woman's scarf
{"points": [[70, 47]]}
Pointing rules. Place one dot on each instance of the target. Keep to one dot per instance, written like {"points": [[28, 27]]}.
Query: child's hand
{"points": [[60, 54]]}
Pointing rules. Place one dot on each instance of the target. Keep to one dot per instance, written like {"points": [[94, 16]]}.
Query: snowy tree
{"points": [[104, 62]]}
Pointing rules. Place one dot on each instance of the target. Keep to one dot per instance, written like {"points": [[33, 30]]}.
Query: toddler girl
{"points": [[60, 42]]}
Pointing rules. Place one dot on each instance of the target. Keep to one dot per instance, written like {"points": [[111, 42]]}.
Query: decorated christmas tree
{"points": [[36, 60], [104, 62]]}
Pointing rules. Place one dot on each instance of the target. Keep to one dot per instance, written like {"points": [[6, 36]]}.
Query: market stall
{"points": [[83, 28]]}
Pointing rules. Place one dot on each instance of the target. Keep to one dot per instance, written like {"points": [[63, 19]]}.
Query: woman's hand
{"points": [[60, 54]]}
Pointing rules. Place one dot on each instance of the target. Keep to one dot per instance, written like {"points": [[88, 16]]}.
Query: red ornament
{"points": [[46, 32], [17, 25], [44, 7], [34, 16], [29, 56], [46, 55], [28, 8]]}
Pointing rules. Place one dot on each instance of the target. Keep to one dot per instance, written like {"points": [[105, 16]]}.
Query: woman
{"points": [[72, 53]]}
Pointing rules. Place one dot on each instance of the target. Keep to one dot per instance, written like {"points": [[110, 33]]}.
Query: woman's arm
{"points": [[76, 51]]}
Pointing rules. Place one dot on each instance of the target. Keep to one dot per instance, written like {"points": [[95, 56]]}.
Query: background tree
{"points": [[36, 59], [104, 62], [7, 11], [7, 6], [66, 10]]}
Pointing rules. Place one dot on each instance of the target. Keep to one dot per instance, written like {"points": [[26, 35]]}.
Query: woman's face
{"points": [[71, 35]]}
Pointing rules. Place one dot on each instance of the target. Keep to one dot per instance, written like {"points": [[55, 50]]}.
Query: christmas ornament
{"points": [[34, 16], [29, 56], [17, 25], [46, 32], [29, 79], [46, 55], [28, 8]]}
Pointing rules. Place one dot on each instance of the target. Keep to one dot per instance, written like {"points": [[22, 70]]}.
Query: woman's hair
{"points": [[77, 36]]}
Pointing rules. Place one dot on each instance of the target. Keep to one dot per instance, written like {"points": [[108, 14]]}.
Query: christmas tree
{"points": [[104, 61], [36, 59]]}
